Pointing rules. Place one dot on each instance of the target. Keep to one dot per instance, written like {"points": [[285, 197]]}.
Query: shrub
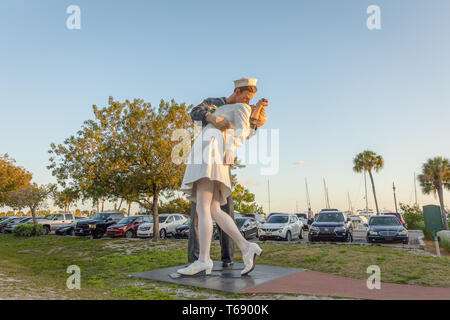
{"points": [[427, 233], [27, 230], [413, 216]]}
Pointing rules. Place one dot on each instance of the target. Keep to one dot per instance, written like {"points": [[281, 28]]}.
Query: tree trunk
{"points": [[120, 204], [103, 204], [129, 207], [374, 193], [36, 225], [441, 201], [155, 214]]}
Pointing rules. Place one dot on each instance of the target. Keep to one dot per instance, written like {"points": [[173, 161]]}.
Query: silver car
{"points": [[281, 226]]}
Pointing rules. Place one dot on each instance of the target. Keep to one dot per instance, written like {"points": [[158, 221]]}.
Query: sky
{"points": [[335, 87]]}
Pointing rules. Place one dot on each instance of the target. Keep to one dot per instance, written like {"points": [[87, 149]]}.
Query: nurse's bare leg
{"points": [[226, 223], [204, 190]]}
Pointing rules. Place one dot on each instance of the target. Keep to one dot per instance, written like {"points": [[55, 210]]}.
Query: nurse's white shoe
{"points": [[249, 258], [197, 267]]}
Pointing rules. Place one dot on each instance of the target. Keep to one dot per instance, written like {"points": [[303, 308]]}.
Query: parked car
{"points": [[357, 222], [53, 221], [182, 231], [4, 224], [331, 225], [258, 217], [281, 226], [127, 227], [167, 224], [274, 213], [68, 230], [96, 225], [248, 227], [398, 215], [303, 217], [386, 228], [9, 227]]}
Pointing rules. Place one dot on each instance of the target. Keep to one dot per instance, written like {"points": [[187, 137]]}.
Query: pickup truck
{"points": [[53, 221], [97, 225]]}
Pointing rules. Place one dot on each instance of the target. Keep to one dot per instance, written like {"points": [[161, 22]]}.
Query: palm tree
{"points": [[434, 179], [368, 161]]}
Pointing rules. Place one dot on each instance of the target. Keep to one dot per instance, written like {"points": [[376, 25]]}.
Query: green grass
{"points": [[107, 263]]}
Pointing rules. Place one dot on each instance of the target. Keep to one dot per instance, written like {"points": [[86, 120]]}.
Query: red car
{"points": [[127, 227], [398, 215]]}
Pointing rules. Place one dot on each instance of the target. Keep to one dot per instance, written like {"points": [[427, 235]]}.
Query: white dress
{"points": [[207, 156]]}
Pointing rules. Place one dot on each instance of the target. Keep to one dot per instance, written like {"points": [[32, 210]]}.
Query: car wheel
{"points": [[405, 241], [162, 233], [97, 235], [129, 234], [262, 239], [300, 236], [288, 236], [46, 230]]}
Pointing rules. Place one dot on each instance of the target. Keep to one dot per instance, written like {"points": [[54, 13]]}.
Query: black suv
{"points": [[331, 225], [96, 226]]}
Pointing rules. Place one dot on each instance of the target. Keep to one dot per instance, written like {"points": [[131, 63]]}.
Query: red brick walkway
{"points": [[321, 284]]}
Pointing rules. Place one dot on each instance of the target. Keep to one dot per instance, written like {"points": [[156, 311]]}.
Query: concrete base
{"points": [[223, 279]]}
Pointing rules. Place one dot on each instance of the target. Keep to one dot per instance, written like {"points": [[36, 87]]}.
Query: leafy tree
{"points": [[63, 199], [31, 196], [126, 153], [435, 177], [177, 205], [12, 177], [368, 161], [244, 200]]}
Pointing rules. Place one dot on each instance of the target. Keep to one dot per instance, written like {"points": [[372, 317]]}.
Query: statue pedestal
{"points": [[226, 279]]}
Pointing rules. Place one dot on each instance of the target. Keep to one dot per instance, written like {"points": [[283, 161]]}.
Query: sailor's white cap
{"points": [[245, 82]]}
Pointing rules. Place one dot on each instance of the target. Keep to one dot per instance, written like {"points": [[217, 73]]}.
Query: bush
{"points": [[27, 230], [413, 216]]}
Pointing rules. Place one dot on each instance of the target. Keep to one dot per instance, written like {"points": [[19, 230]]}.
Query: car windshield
{"points": [[384, 221], [100, 216], [240, 222], [278, 219], [50, 216], [330, 217], [126, 220], [162, 219], [302, 215]]}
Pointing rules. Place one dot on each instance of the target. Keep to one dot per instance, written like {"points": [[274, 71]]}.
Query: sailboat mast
{"points": [[327, 200], [308, 199], [350, 208]]}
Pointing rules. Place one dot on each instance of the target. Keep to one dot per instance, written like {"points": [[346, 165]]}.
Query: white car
{"points": [[281, 226], [167, 224], [303, 217]]}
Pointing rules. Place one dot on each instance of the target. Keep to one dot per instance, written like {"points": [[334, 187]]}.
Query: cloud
{"points": [[299, 163]]}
